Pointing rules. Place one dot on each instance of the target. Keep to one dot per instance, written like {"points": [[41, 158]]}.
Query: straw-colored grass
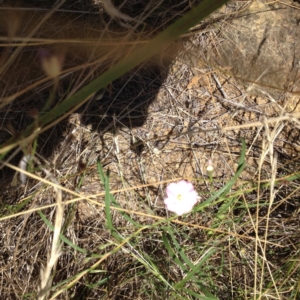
{"points": [[83, 180]]}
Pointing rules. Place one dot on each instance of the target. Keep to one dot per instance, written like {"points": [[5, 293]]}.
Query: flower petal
{"points": [[185, 187], [173, 190]]}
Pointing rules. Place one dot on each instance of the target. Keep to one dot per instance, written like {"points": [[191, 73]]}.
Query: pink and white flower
{"points": [[181, 197]]}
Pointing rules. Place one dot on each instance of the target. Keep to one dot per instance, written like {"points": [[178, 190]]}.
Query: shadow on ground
{"points": [[124, 103]]}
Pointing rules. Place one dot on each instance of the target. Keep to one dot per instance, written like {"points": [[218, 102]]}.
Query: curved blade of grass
{"points": [[66, 281], [149, 264], [62, 237], [207, 295], [125, 216], [195, 269], [223, 191], [95, 265], [225, 206], [172, 253], [7, 209], [190, 19], [178, 248]]}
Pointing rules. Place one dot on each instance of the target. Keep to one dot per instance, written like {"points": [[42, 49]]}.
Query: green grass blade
{"points": [[8, 209], [207, 295], [105, 181], [179, 249], [195, 269], [109, 222], [62, 237], [101, 173], [112, 198], [125, 216], [172, 253], [108, 201]]}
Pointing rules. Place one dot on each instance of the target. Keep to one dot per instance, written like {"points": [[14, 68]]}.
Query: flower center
{"points": [[179, 197]]}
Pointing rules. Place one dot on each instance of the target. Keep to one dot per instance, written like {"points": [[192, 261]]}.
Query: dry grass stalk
{"points": [[46, 279]]}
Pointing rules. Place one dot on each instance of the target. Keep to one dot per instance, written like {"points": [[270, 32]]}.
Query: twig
{"points": [[219, 86]]}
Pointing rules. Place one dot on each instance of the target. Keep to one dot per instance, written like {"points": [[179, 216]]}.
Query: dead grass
{"points": [[160, 123]]}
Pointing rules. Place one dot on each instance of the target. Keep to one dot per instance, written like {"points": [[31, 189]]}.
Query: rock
{"points": [[262, 45]]}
